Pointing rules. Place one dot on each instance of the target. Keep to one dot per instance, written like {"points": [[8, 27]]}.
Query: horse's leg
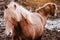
{"points": [[15, 37], [16, 34], [38, 38], [20, 38]]}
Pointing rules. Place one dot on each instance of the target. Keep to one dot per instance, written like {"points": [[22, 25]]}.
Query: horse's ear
{"points": [[5, 6], [14, 6]]}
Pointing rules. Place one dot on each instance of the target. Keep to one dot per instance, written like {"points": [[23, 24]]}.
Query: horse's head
{"points": [[13, 8], [11, 17], [48, 9]]}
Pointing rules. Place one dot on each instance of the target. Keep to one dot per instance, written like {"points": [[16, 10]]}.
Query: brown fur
{"points": [[25, 30]]}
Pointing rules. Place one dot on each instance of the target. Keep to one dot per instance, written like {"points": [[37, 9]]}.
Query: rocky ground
{"points": [[52, 31]]}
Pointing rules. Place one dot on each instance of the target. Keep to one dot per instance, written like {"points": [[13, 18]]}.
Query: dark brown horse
{"points": [[26, 25]]}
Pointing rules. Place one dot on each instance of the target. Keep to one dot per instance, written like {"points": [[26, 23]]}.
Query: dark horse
{"points": [[26, 25]]}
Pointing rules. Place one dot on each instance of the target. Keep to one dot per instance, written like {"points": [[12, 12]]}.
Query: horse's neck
{"points": [[23, 11]]}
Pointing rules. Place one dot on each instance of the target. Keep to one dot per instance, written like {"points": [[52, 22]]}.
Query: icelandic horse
{"points": [[26, 25]]}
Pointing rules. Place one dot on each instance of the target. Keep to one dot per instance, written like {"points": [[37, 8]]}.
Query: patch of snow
{"points": [[51, 24]]}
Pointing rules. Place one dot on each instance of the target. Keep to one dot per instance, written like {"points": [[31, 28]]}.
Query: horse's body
{"points": [[23, 24]]}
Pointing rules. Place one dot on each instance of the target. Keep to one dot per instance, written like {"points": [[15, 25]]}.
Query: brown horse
{"points": [[26, 25]]}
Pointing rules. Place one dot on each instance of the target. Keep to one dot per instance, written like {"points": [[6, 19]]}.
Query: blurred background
{"points": [[52, 28]]}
